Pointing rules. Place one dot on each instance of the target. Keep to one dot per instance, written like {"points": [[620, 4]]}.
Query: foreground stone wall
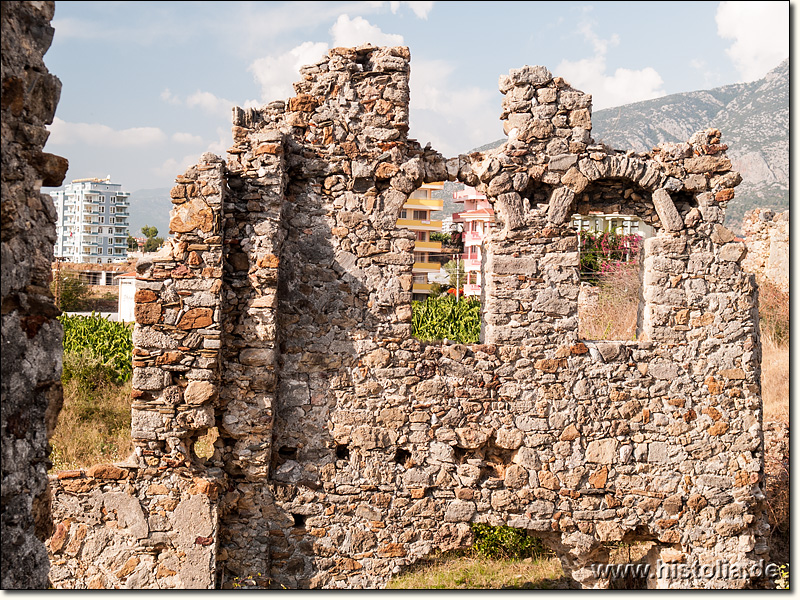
{"points": [[767, 238], [347, 449], [31, 337]]}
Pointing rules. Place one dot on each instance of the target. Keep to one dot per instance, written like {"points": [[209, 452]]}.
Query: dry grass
{"points": [[775, 379], [774, 316], [454, 572], [614, 313], [93, 426], [774, 313]]}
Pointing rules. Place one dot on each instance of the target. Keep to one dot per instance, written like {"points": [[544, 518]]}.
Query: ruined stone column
{"points": [[31, 339]]}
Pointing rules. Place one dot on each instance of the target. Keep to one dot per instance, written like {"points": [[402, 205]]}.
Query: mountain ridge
{"points": [[753, 118]]}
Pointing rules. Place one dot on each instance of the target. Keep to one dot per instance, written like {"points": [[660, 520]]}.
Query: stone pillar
{"points": [[177, 333], [531, 285], [253, 236], [31, 338]]}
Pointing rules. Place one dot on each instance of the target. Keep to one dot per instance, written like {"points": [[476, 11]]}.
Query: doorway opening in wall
{"points": [[611, 261], [445, 303]]}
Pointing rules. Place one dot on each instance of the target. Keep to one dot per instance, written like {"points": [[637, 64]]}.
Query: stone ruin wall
{"points": [[767, 238], [347, 449], [31, 368]]}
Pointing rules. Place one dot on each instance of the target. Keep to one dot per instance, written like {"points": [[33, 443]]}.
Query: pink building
{"points": [[478, 219]]}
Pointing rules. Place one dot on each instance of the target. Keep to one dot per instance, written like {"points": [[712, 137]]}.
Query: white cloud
{"points": [[174, 166], [711, 78], [760, 34], [186, 138], [609, 89], [275, 74], [348, 32], [421, 9], [205, 101], [170, 98], [209, 103], [454, 119], [95, 134]]}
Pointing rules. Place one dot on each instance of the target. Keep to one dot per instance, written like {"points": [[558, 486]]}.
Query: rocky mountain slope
{"points": [[753, 118]]}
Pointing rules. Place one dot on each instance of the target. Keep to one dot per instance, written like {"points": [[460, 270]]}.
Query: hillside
{"points": [[753, 118], [150, 207]]}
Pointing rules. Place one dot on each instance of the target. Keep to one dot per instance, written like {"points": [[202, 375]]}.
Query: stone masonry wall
{"points": [[347, 449], [31, 337], [767, 239]]}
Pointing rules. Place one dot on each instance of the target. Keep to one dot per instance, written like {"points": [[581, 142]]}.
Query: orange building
{"points": [[416, 216]]}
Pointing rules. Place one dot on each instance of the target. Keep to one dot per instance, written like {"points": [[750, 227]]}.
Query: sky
{"points": [[148, 86]]}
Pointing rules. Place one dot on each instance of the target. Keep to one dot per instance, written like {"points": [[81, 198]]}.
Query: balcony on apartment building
{"points": [[421, 246], [426, 267], [420, 224]]}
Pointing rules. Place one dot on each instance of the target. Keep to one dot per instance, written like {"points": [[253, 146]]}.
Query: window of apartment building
{"points": [[102, 220], [420, 194], [420, 215], [420, 257], [422, 236], [112, 209]]}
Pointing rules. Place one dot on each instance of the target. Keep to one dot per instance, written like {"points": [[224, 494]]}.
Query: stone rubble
{"points": [[347, 449]]}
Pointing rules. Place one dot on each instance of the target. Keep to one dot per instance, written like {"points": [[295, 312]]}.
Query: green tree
{"points": [[455, 269], [152, 244], [72, 292], [133, 245], [436, 290]]}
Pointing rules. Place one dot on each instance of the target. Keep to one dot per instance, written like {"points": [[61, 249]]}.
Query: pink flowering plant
{"points": [[607, 253]]}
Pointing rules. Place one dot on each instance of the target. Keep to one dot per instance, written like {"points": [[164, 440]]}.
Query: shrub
{"points": [[96, 350], [94, 426], [605, 253], [87, 369], [782, 583], [506, 542], [444, 317], [773, 312], [73, 293]]}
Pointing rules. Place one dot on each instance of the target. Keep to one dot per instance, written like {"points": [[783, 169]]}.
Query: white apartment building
{"points": [[92, 224]]}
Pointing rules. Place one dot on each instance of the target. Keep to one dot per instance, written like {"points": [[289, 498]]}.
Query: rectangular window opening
{"points": [[611, 271]]}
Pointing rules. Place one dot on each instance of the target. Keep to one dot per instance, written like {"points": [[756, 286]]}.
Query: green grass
{"points": [[445, 318]]}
